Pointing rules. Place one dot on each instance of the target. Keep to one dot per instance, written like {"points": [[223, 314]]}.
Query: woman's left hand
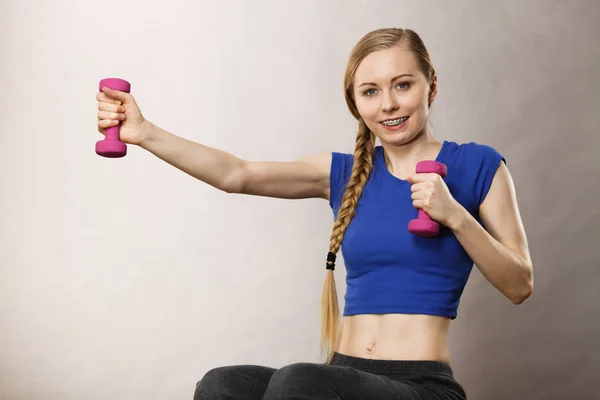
{"points": [[430, 193]]}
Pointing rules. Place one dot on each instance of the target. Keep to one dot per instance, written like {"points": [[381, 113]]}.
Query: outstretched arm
{"points": [[303, 178], [307, 177]]}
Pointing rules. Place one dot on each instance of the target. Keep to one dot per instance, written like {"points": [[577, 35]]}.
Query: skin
{"points": [[500, 250]]}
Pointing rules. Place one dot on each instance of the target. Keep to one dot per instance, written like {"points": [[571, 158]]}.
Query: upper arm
{"points": [[499, 213], [307, 177]]}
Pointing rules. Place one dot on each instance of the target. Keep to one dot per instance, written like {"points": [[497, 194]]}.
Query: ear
{"points": [[433, 89]]}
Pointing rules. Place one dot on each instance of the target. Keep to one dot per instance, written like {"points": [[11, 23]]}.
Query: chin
{"points": [[396, 139]]}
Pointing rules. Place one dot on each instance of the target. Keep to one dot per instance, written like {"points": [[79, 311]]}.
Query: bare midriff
{"points": [[395, 337]]}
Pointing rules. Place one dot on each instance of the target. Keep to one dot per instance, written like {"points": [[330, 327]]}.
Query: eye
{"points": [[369, 92], [403, 85]]}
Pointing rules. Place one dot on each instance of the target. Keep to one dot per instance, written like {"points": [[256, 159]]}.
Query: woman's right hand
{"points": [[116, 107]]}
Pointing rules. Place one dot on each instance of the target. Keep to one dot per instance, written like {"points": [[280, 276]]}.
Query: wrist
{"points": [[148, 133], [458, 218]]}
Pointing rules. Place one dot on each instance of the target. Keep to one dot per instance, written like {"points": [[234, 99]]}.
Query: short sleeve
{"points": [[341, 168], [484, 162]]}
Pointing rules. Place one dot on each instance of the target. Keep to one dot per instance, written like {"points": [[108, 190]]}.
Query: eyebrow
{"points": [[393, 79]]}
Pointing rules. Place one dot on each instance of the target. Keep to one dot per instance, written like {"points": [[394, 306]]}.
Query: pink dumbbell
{"points": [[424, 225], [111, 146]]}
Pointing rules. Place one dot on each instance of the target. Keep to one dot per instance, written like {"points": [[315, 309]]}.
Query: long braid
{"points": [[363, 164]]}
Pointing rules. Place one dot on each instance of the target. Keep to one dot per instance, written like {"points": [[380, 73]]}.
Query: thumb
{"points": [[116, 94]]}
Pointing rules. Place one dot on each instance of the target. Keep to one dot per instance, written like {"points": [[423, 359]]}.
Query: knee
{"points": [[305, 380], [213, 383], [297, 373]]}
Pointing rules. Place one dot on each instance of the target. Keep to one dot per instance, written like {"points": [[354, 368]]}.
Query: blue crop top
{"points": [[389, 270]]}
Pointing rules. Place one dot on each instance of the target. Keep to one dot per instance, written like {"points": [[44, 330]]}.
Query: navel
{"points": [[371, 347]]}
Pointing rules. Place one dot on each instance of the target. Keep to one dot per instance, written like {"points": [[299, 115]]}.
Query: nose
{"points": [[389, 103]]}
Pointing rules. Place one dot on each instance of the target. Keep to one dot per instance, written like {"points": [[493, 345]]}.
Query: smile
{"points": [[394, 122]]}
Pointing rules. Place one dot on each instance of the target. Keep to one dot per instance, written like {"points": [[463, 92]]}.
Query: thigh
{"points": [[239, 382], [304, 381]]}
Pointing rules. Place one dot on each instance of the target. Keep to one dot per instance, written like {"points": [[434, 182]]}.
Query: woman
{"points": [[402, 290]]}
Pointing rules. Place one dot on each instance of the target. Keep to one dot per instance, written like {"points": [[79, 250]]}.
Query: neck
{"points": [[401, 160]]}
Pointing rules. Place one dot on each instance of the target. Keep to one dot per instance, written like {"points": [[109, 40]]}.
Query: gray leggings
{"points": [[346, 378]]}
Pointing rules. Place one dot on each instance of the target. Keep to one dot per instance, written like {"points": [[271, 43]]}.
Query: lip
{"points": [[391, 119], [394, 128]]}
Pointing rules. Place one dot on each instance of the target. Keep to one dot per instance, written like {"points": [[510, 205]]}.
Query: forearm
{"points": [[506, 269], [212, 166]]}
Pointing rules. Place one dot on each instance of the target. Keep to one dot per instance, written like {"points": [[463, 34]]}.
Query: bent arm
{"points": [[500, 251], [304, 178]]}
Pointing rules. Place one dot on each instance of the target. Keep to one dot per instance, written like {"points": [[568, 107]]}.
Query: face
{"points": [[389, 87]]}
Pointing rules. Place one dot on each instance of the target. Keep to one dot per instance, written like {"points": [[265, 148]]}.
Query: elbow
{"points": [[231, 189], [234, 182], [519, 296]]}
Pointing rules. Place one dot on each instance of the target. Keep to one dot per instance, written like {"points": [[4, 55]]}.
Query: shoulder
{"points": [[341, 165], [345, 158], [472, 151], [476, 163], [339, 175]]}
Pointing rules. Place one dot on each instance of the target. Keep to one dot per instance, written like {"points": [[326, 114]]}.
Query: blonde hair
{"points": [[363, 164]]}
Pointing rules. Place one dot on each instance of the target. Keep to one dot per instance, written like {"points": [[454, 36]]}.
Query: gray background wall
{"points": [[127, 279]]}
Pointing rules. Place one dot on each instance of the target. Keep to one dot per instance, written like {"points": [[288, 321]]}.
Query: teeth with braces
{"points": [[395, 122]]}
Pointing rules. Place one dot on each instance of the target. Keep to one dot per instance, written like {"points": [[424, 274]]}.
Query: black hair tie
{"points": [[331, 261]]}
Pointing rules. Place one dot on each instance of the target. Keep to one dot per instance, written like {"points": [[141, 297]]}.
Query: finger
{"points": [[101, 96], [111, 115], [420, 186], [418, 204], [416, 178], [107, 123], [117, 95], [418, 195], [104, 106]]}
